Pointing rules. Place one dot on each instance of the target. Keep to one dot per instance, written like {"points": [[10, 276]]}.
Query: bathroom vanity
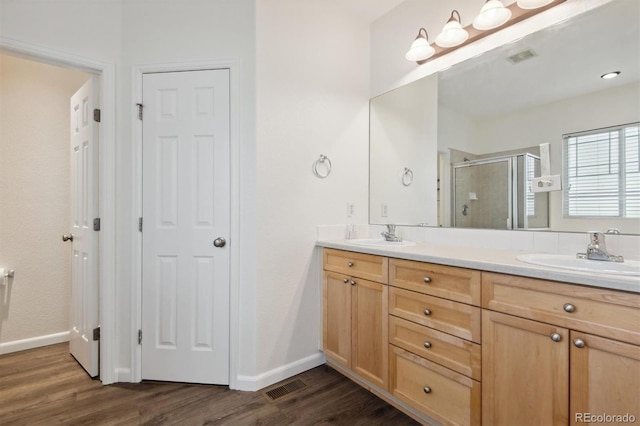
{"points": [[453, 338]]}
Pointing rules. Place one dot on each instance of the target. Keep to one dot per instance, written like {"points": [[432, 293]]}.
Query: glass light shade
{"points": [[610, 75], [452, 35], [492, 15], [420, 50], [532, 4]]}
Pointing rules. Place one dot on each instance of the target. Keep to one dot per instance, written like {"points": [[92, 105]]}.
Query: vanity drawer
{"points": [[609, 313], [367, 266], [449, 282], [442, 394], [450, 317], [452, 352]]}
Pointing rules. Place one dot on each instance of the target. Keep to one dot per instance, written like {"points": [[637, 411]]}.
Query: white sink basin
{"points": [[628, 267], [378, 242]]}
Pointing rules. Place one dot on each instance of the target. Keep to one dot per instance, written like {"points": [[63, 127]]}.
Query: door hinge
{"points": [[96, 334], [96, 115], [140, 224], [139, 111], [96, 224], [139, 337]]}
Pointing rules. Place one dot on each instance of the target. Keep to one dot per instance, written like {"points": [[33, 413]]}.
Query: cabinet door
{"points": [[369, 356], [336, 331], [525, 371], [605, 379]]}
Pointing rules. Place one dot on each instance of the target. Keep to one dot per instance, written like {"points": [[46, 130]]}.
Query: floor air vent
{"points": [[285, 389]]}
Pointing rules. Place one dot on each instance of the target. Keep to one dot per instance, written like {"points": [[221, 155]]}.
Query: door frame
{"points": [[136, 154], [107, 184]]}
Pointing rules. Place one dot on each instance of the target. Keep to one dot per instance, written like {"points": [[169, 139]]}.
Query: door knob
{"points": [[219, 242], [66, 237]]}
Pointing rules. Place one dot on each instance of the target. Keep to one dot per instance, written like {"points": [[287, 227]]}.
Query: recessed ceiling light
{"points": [[610, 75]]}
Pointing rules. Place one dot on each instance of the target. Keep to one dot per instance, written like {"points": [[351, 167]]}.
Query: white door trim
{"points": [[107, 130], [234, 246]]}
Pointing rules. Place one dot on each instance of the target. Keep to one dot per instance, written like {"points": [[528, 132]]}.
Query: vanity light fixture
{"points": [[492, 15], [532, 4], [610, 75], [452, 33], [420, 48]]}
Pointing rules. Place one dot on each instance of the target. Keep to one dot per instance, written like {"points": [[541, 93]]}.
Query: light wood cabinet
{"points": [[450, 351], [448, 282], [525, 374], [337, 318], [544, 347], [605, 378], [355, 328], [444, 395], [467, 347], [434, 335]]}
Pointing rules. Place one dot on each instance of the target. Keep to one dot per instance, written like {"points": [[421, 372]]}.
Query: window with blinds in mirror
{"points": [[602, 172]]}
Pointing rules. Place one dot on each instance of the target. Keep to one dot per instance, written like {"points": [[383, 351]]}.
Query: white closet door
{"points": [[186, 205]]}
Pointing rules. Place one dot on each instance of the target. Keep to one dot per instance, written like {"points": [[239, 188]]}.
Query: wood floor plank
{"points": [[46, 386]]}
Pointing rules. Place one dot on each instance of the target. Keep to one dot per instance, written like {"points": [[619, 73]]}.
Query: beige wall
{"points": [[34, 196]]}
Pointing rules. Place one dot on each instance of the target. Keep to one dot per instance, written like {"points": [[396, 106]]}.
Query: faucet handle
{"points": [[596, 238], [391, 228]]}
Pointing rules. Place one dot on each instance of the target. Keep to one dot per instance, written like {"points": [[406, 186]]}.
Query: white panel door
{"points": [[84, 240], [186, 207]]}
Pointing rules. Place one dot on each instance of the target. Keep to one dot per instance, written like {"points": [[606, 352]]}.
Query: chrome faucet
{"points": [[390, 234], [597, 249]]}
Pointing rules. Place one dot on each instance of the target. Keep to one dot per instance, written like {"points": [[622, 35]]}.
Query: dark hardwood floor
{"points": [[45, 386]]}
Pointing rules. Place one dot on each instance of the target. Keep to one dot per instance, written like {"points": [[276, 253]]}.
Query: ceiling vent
{"points": [[522, 56]]}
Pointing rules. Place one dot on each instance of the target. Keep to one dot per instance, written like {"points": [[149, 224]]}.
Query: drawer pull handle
{"points": [[579, 343], [427, 345], [353, 282], [556, 337], [568, 307], [427, 312], [346, 280], [350, 264], [427, 280], [427, 389]]}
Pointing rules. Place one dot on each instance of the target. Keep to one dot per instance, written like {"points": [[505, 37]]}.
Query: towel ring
{"points": [[407, 177], [317, 166]]}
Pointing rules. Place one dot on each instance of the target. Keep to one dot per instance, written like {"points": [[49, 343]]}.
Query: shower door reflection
{"points": [[495, 193]]}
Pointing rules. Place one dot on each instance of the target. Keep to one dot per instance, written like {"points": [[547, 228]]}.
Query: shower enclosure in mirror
{"points": [[495, 193]]}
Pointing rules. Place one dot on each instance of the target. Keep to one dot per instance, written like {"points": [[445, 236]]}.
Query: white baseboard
{"points": [[255, 383], [123, 375], [33, 342]]}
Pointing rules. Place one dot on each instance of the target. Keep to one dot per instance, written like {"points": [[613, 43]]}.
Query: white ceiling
{"points": [[369, 10], [570, 59]]}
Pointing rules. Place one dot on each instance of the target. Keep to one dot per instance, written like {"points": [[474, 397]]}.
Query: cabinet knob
{"points": [[346, 280], [427, 389], [427, 312], [353, 282], [579, 343], [568, 307], [350, 264], [427, 345], [556, 337], [427, 280]]}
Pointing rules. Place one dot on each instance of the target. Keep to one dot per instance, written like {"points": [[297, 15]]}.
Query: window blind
{"points": [[602, 172]]}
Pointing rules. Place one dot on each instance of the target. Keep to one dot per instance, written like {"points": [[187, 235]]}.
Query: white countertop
{"points": [[503, 261]]}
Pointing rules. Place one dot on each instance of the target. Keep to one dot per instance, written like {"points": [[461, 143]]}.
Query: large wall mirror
{"points": [[459, 147]]}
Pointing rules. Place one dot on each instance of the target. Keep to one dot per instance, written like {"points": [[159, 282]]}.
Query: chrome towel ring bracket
{"points": [[322, 167], [407, 176]]}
